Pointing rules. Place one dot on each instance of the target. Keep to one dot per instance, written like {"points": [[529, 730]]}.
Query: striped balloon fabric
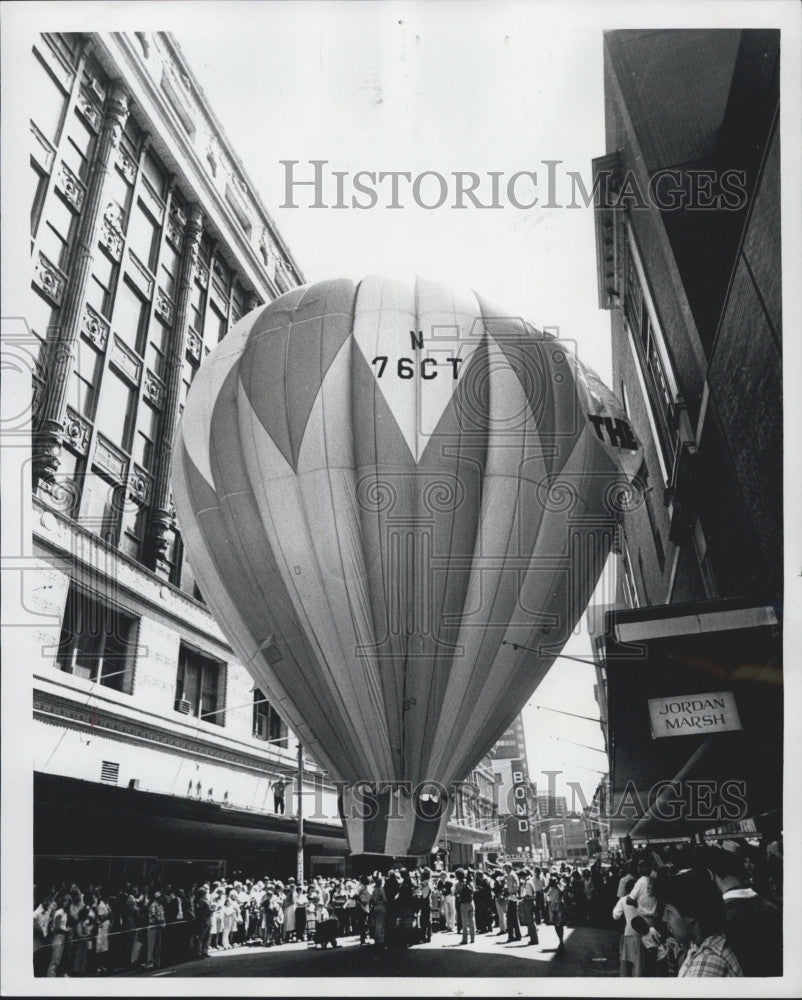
{"points": [[385, 493]]}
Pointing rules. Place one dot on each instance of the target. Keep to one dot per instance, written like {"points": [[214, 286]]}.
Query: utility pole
{"points": [[299, 868]]}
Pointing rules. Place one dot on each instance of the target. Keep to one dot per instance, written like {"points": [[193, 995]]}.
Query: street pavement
{"points": [[588, 951]]}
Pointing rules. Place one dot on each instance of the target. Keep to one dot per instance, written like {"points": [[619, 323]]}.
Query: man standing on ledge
{"points": [[278, 795]]}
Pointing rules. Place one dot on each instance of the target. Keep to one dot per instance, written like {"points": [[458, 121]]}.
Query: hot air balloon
{"points": [[397, 502]]}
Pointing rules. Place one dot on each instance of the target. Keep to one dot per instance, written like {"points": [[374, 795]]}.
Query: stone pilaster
{"points": [[49, 433], [162, 515]]}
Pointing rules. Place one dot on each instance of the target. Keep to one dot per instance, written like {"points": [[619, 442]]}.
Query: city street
{"points": [[589, 951]]}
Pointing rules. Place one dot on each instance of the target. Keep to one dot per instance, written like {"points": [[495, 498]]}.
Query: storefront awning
{"points": [[695, 704]]}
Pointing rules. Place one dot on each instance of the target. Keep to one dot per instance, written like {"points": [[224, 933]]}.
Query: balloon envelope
{"points": [[386, 493]]}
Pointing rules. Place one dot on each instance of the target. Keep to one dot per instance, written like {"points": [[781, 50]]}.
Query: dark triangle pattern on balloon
{"points": [[278, 379], [259, 587]]}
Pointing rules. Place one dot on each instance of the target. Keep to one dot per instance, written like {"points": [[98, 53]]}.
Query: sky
{"points": [[416, 87]]}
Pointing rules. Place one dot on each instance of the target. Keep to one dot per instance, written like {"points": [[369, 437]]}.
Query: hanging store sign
{"points": [[692, 714]]}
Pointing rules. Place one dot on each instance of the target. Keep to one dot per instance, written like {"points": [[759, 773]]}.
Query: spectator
{"points": [[42, 918], [449, 904], [527, 905], [59, 935], [541, 884], [629, 950], [709, 953], [278, 787], [301, 902], [103, 916], [484, 904], [203, 922], [378, 912], [156, 920], [500, 901], [556, 905], [754, 925], [512, 885]]}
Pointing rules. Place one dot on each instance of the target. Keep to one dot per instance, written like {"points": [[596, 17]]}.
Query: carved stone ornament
{"points": [[194, 345], [89, 110], [139, 485], [154, 388], [110, 459], [176, 221], [73, 189], [50, 279], [126, 164], [111, 235], [164, 306], [77, 431], [94, 328]]}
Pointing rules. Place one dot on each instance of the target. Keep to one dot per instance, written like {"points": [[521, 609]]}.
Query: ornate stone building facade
{"points": [[148, 243]]}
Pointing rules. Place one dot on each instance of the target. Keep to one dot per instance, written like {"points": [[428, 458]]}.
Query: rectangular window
{"points": [[199, 687], [56, 230], [99, 291], [153, 171], [115, 407], [81, 394], [267, 724], [130, 312], [651, 357], [237, 303], [97, 641], [145, 438], [142, 235], [118, 189], [75, 159], [168, 268], [40, 316], [219, 324], [196, 307], [49, 100], [100, 507], [156, 348]]}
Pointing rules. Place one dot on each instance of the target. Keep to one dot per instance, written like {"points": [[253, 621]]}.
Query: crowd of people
{"points": [[713, 911], [688, 914]]}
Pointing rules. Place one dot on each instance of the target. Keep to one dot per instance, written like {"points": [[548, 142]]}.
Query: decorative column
{"points": [[49, 433], [162, 518]]}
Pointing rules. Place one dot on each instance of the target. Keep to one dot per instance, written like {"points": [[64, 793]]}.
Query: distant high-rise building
{"points": [[516, 799]]}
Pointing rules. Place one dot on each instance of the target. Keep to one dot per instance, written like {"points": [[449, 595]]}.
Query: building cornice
{"points": [[60, 710], [119, 55]]}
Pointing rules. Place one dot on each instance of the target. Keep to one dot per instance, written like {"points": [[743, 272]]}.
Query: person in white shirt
{"points": [[527, 905], [642, 895], [629, 951], [513, 891]]}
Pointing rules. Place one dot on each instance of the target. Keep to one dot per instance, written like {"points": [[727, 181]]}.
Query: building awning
{"points": [[695, 703], [459, 834], [91, 818]]}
